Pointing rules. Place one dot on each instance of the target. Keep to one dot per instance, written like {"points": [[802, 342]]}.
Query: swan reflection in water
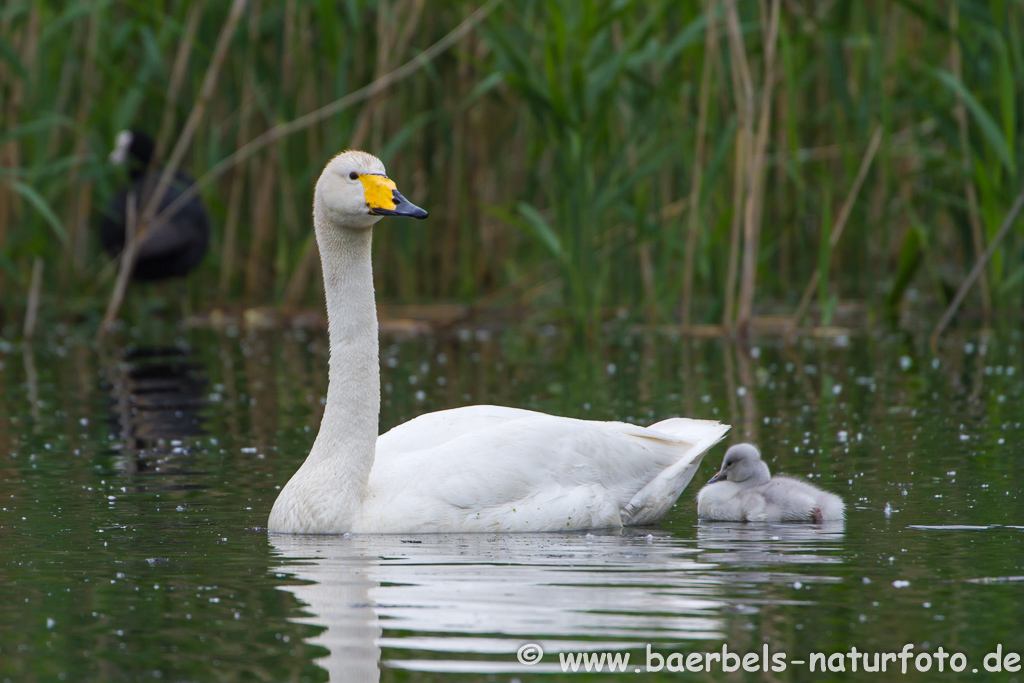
{"points": [[492, 593], [483, 596]]}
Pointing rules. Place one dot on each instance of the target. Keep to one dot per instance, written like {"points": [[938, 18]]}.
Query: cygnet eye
{"points": [[353, 176]]}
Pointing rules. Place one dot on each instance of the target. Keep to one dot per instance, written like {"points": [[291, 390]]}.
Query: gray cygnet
{"points": [[745, 491]]}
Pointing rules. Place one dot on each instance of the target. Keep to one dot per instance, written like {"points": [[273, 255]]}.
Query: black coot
{"points": [[175, 247]]}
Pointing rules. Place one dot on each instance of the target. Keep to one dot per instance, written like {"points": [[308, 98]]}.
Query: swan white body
{"points": [[480, 468], [745, 491]]}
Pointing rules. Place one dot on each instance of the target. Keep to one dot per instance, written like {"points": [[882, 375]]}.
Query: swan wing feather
{"points": [[488, 468]]}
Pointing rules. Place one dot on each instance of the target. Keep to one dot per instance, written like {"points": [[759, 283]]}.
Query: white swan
{"points": [[745, 491], [480, 468]]}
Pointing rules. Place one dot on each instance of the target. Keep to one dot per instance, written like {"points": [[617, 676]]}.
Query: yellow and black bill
{"points": [[384, 199]]}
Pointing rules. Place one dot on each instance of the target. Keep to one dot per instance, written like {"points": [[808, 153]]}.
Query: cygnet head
{"points": [[355, 192], [742, 463]]}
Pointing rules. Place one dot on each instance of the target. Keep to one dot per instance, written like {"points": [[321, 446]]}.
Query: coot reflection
{"points": [[157, 397]]}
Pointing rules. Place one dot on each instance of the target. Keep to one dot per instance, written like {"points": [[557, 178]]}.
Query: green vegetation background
{"points": [[586, 158]]}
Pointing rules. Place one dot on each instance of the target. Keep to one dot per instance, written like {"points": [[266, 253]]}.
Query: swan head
{"points": [[355, 192], [742, 463]]}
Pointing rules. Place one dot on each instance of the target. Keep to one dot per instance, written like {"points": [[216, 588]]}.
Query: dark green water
{"points": [[132, 489]]}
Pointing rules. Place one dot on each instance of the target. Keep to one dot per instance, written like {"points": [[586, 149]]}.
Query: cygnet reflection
{"points": [[751, 556]]}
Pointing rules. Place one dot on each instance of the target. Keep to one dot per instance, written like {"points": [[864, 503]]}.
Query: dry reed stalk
{"points": [[131, 247], [482, 182], [735, 224], [308, 93], [975, 273], [785, 231], [80, 226], [753, 209], [34, 290], [78, 220], [295, 289], [227, 254], [259, 173], [876, 208], [196, 115], [64, 86], [632, 230], [263, 228], [743, 96], [308, 262], [290, 216], [149, 217], [7, 150], [236, 192], [178, 70], [960, 114], [412, 10], [743, 85], [30, 48], [392, 43], [327, 111], [287, 49], [697, 174], [368, 124], [450, 237], [388, 37], [667, 183], [25, 46], [844, 215], [386, 118]]}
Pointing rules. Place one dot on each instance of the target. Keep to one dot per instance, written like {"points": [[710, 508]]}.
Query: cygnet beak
{"points": [[384, 199], [720, 476]]}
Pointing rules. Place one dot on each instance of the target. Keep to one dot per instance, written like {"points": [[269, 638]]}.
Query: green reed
{"points": [[556, 146]]}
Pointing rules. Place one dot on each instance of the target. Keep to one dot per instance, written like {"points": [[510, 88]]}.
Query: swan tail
{"points": [[657, 497]]}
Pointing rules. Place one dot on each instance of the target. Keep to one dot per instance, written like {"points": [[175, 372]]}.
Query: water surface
{"points": [[135, 482]]}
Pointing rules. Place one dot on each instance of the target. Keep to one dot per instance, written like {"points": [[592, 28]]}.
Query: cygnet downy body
{"points": [[745, 491]]}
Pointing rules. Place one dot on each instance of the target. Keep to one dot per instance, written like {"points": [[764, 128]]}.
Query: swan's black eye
{"points": [[353, 176]]}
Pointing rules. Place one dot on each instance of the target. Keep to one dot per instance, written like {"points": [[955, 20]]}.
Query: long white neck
{"points": [[348, 432], [326, 494]]}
